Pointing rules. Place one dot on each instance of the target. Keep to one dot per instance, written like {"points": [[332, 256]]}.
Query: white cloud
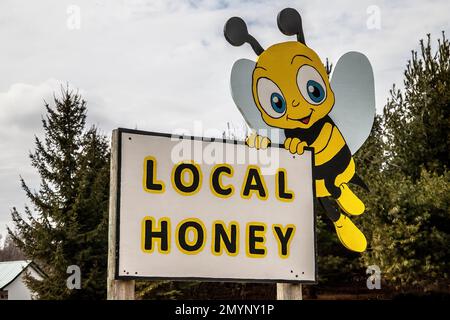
{"points": [[161, 64], [22, 108], [20, 119]]}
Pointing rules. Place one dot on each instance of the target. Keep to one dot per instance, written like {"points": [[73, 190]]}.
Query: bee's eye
{"points": [[315, 91], [270, 98], [278, 103], [311, 85]]}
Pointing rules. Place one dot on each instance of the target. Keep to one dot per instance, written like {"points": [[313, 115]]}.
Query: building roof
{"points": [[10, 270]]}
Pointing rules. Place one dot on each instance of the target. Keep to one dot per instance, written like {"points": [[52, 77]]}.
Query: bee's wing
{"points": [[241, 91], [354, 109]]}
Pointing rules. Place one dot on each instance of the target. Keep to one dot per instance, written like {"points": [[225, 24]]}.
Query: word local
{"points": [[253, 183]]}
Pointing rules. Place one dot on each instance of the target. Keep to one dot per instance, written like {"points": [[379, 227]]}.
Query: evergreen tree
{"points": [[408, 205], [9, 251], [67, 221], [417, 125], [370, 161]]}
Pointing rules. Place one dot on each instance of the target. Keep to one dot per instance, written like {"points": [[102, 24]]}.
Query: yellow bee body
{"points": [[291, 89], [292, 75], [331, 156]]}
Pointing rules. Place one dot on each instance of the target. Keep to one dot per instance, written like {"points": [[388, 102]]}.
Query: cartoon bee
{"points": [[287, 89]]}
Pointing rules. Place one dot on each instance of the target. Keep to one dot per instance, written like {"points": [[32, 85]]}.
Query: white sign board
{"points": [[217, 210]]}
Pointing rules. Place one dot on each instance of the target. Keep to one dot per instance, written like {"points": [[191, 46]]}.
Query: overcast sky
{"points": [[159, 65]]}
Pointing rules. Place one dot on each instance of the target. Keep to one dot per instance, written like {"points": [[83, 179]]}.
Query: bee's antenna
{"points": [[236, 33], [290, 22]]}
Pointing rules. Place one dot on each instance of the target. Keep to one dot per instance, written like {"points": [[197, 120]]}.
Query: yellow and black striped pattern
{"points": [[306, 123]]}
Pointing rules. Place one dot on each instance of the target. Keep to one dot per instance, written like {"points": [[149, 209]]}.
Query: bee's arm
{"points": [[256, 141], [323, 139]]}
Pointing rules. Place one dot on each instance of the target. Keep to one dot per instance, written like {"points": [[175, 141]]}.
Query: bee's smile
{"points": [[304, 120]]}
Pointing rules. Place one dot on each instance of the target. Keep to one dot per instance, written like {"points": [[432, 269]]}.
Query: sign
{"points": [[192, 208]]}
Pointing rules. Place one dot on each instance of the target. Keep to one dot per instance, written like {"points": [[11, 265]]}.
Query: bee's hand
{"points": [[294, 145], [256, 141]]}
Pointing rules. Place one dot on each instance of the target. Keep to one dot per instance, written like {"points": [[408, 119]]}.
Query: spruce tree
{"points": [[66, 223], [417, 122], [408, 205]]}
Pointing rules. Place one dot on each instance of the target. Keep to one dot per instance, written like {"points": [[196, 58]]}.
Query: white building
{"points": [[12, 285]]}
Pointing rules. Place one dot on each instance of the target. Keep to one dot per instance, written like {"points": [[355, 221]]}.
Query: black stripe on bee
{"points": [[335, 166], [309, 135]]}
